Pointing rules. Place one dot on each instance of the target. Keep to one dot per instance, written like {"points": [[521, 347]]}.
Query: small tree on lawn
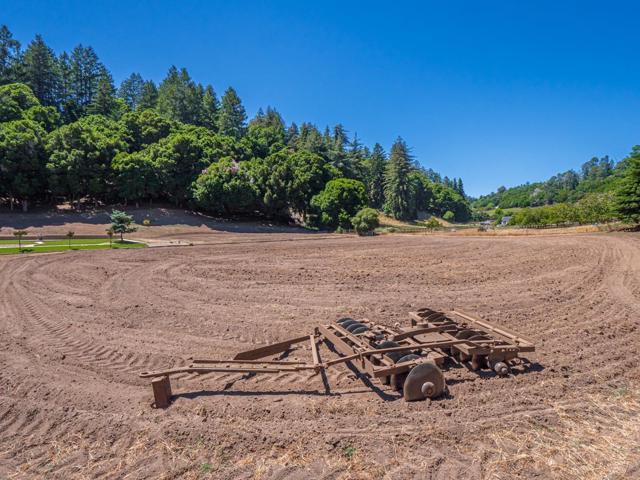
{"points": [[121, 223], [70, 235], [19, 234], [110, 234]]}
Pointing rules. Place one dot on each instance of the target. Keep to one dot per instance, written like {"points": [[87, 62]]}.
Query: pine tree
{"points": [[210, 109], [64, 91], [179, 98], [86, 72], [9, 56], [131, 90], [292, 134], [397, 188], [148, 96], [104, 101], [232, 115], [375, 184], [628, 196], [461, 188], [39, 71]]}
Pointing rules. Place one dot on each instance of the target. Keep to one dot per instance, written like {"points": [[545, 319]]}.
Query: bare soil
{"points": [[77, 328]]}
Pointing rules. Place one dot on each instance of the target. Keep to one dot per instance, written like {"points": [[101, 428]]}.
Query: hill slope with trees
{"points": [[68, 134]]}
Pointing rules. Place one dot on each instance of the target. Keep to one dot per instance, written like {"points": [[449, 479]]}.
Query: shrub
{"points": [[338, 202], [365, 221], [432, 224], [449, 216]]}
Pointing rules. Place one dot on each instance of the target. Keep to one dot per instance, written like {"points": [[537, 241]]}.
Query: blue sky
{"points": [[497, 92]]}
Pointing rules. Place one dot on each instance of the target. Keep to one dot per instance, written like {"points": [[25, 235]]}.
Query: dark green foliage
{"points": [[47, 117], [375, 178], [131, 90], [178, 97], [86, 72], [226, 187], [9, 57], [22, 160], [40, 72], [266, 133], [104, 101], [181, 156], [80, 156], [15, 99], [397, 185], [597, 175], [144, 127], [592, 208], [121, 223], [340, 200], [628, 195], [179, 143], [210, 109], [136, 177], [232, 115], [365, 221], [148, 96], [287, 181]]}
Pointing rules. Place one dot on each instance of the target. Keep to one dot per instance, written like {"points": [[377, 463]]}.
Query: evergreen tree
{"points": [[375, 184], [65, 99], [628, 195], [232, 115], [86, 71], [131, 90], [148, 96], [104, 101], [9, 56], [292, 134], [39, 71], [179, 98], [397, 188], [210, 109], [461, 188]]}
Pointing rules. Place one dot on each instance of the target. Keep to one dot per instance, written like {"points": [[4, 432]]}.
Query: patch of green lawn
{"points": [[74, 241], [61, 246]]}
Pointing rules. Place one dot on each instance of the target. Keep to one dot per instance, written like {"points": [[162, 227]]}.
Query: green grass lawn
{"points": [[29, 246]]}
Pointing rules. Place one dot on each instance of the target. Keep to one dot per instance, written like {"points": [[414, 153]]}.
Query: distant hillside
{"points": [[595, 176]]}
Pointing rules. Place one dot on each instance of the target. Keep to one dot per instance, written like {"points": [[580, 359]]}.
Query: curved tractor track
{"points": [[76, 328]]}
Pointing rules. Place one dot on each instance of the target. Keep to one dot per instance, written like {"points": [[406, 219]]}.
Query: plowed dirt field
{"points": [[77, 328]]}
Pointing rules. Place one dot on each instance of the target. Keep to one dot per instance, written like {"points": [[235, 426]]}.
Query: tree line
{"points": [[602, 191], [68, 134], [597, 175]]}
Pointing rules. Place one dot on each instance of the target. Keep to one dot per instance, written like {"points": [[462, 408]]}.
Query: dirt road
{"points": [[76, 328]]}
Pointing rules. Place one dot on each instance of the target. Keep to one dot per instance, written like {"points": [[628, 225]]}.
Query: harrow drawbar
{"points": [[409, 359]]}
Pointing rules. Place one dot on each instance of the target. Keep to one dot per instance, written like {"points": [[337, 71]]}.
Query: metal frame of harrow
{"points": [[436, 336]]}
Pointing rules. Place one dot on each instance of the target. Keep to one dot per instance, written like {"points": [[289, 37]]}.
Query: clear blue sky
{"points": [[497, 92]]}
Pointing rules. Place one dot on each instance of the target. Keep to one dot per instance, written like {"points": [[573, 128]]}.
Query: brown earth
{"points": [[76, 328]]}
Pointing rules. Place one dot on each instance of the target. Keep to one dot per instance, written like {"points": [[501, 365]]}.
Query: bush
{"points": [[365, 221], [225, 188], [338, 202], [449, 216], [432, 224]]}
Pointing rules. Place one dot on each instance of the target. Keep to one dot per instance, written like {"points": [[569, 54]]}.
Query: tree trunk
{"points": [[25, 206], [121, 238]]}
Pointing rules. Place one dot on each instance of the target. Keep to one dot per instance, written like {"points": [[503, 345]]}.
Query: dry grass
{"points": [[596, 439]]}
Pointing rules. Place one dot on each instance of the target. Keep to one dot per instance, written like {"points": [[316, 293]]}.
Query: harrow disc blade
{"points": [[424, 381]]}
